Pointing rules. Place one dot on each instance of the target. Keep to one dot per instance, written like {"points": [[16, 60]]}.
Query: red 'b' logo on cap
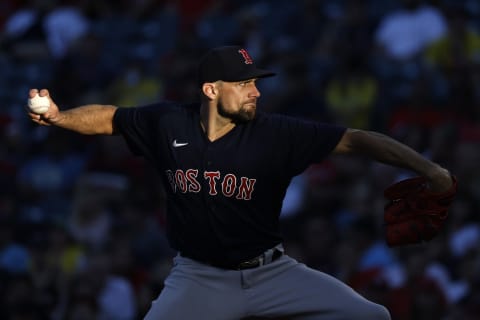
{"points": [[246, 56]]}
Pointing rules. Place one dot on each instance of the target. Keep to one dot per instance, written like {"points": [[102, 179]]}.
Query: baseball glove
{"points": [[414, 214]]}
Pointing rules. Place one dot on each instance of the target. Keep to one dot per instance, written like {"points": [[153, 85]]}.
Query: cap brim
{"points": [[251, 74]]}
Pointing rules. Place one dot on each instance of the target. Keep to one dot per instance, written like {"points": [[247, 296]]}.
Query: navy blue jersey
{"points": [[224, 197]]}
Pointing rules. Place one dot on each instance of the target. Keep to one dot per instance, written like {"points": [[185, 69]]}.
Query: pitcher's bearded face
{"points": [[244, 112], [238, 100]]}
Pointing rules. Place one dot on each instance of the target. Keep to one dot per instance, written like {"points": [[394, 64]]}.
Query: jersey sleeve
{"points": [[308, 141], [140, 126]]}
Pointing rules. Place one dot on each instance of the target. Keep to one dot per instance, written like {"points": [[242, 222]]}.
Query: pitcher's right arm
{"points": [[88, 119]]}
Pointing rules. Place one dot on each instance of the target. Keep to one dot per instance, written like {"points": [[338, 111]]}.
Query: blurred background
{"points": [[81, 220]]}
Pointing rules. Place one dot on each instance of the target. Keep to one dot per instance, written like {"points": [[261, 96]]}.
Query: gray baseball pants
{"points": [[283, 289]]}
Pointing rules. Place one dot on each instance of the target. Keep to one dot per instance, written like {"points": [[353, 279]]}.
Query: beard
{"points": [[244, 114]]}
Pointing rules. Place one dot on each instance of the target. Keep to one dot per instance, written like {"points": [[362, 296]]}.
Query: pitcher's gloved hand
{"points": [[415, 214]]}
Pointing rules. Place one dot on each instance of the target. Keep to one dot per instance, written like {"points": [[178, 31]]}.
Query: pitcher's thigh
{"points": [[183, 298], [302, 293]]}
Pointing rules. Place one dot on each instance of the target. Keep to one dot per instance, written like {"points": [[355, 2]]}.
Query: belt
{"points": [[267, 257]]}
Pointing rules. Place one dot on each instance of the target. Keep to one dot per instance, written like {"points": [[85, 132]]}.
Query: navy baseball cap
{"points": [[229, 63]]}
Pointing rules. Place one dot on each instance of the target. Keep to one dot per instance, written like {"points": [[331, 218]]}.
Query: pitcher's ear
{"points": [[210, 90]]}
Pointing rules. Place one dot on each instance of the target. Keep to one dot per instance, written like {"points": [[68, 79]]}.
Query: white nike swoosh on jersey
{"points": [[176, 144]]}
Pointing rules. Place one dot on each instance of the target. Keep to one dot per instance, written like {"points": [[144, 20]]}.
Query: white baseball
{"points": [[38, 104]]}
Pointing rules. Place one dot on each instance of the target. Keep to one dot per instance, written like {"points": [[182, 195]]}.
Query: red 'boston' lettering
{"points": [[194, 185], [229, 184], [187, 181], [211, 176], [246, 188], [171, 180], [181, 180]]}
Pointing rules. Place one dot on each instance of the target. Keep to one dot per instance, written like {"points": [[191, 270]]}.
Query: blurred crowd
{"points": [[82, 221]]}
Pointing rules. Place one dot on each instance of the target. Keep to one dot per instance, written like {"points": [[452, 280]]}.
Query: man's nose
{"points": [[255, 92]]}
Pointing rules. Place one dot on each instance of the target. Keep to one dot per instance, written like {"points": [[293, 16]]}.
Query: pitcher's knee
{"points": [[382, 313], [375, 312], [368, 311]]}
